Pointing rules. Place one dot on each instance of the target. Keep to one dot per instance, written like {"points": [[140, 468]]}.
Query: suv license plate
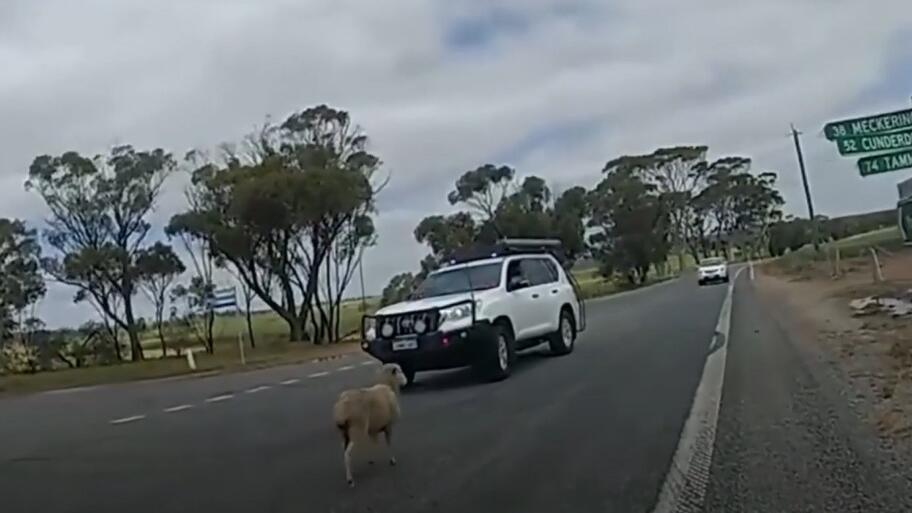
{"points": [[401, 345]]}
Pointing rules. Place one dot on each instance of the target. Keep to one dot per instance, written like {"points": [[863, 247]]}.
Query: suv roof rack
{"points": [[507, 247]]}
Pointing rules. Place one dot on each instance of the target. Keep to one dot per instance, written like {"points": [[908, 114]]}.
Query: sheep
{"points": [[369, 411]]}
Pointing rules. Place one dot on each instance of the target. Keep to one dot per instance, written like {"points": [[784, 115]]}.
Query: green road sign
{"points": [[885, 163], [892, 141], [869, 125]]}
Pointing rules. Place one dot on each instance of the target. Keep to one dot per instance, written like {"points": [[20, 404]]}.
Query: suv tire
{"points": [[409, 373], [563, 340], [498, 359]]}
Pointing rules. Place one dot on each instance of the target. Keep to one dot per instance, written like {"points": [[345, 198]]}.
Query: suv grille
{"points": [[403, 325]]}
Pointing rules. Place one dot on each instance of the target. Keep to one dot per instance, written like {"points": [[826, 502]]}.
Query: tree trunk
{"points": [[250, 324], [136, 351], [159, 320], [161, 338], [295, 329], [210, 332]]}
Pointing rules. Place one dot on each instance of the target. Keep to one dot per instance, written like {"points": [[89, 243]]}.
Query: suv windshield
{"points": [[712, 261], [477, 277]]}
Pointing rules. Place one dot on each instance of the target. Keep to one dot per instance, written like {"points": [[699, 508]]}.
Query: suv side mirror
{"points": [[517, 282]]}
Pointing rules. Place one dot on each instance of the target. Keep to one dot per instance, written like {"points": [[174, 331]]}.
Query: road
{"points": [[594, 431]]}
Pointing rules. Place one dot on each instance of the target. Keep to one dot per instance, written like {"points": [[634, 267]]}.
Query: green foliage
{"points": [[277, 217], [789, 235], [630, 223], [530, 210], [98, 223], [398, 289], [157, 269], [21, 283], [483, 189], [18, 357]]}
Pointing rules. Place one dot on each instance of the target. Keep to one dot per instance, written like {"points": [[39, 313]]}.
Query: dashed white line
{"points": [[257, 389], [218, 398], [318, 374], [291, 381], [74, 390], [180, 407], [124, 420], [345, 368], [369, 362]]}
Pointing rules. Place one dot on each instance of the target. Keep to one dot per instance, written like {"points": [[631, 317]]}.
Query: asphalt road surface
{"points": [[592, 431]]}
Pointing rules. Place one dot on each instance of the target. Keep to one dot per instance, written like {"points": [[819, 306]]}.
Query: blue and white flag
{"points": [[223, 298]]}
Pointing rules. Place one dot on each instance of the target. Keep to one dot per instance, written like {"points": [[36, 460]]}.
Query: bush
{"points": [[19, 358]]}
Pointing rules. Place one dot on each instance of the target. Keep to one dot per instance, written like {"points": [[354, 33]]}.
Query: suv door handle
{"points": [[554, 291], [535, 296]]}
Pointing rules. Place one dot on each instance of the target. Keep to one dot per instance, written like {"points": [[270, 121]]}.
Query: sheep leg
{"points": [[346, 454], [375, 441], [388, 434]]}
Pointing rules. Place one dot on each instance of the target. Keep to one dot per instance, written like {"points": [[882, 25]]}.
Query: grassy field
{"points": [[889, 239], [270, 352], [266, 326]]}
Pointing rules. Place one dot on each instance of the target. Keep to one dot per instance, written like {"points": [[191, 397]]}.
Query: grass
{"points": [[802, 260], [269, 352], [266, 325]]}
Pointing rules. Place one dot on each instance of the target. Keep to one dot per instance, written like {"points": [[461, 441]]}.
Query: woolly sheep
{"points": [[367, 412]]}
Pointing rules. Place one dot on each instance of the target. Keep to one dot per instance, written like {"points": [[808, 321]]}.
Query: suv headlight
{"points": [[456, 313], [459, 313], [370, 328]]}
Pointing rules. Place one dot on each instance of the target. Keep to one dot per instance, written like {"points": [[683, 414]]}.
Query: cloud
{"points": [[553, 87]]}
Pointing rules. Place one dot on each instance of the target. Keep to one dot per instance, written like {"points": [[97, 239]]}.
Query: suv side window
{"points": [[549, 264], [536, 271]]}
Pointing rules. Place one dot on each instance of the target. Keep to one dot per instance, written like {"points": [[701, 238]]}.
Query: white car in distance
{"points": [[712, 270]]}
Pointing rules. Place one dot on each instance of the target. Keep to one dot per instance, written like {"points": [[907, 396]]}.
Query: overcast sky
{"points": [[551, 87]]}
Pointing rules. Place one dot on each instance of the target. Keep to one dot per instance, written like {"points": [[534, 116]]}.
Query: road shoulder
{"points": [[788, 438]]}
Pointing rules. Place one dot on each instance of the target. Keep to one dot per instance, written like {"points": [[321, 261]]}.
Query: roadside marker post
{"points": [[191, 362]]}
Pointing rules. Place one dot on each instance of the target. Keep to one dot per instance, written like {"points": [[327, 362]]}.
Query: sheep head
{"points": [[393, 376]]}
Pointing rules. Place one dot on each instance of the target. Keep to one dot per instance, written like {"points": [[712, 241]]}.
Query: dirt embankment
{"points": [[870, 346]]}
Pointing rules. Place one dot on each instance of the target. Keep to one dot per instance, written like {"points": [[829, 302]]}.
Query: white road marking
{"points": [[369, 362], [219, 398], [124, 420], [318, 374], [178, 408], [345, 368], [257, 389], [73, 390], [291, 381], [685, 484]]}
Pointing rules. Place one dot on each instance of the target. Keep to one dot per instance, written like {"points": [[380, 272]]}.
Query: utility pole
{"points": [[807, 189], [361, 272]]}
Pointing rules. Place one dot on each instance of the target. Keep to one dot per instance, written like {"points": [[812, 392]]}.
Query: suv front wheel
{"points": [[561, 341], [498, 360]]}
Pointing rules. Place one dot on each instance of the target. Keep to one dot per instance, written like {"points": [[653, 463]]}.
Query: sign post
{"points": [[224, 299]]}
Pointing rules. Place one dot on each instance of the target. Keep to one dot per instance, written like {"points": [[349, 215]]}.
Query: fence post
{"points": [[191, 362], [838, 262], [878, 272]]}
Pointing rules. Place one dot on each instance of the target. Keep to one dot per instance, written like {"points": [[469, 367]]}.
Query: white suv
{"points": [[712, 269], [480, 310]]}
